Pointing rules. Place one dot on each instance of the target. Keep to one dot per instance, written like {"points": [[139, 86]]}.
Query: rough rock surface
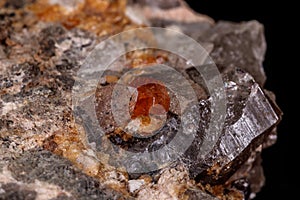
{"points": [[44, 152]]}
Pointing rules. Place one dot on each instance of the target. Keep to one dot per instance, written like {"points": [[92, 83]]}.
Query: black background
{"points": [[280, 160]]}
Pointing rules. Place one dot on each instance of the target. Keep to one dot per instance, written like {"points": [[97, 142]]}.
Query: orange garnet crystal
{"points": [[152, 98]]}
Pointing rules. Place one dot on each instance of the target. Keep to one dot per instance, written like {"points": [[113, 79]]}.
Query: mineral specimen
{"points": [[48, 153]]}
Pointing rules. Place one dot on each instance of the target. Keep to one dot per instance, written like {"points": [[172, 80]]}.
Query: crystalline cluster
{"points": [[45, 153]]}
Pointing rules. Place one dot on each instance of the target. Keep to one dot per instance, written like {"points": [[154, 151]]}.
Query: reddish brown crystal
{"points": [[150, 94]]}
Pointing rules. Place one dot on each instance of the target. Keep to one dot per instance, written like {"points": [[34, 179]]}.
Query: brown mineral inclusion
{"points": [[149, 96]]}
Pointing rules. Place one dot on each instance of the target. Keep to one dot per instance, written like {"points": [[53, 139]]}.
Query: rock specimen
{"points": [[46, 152]]}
